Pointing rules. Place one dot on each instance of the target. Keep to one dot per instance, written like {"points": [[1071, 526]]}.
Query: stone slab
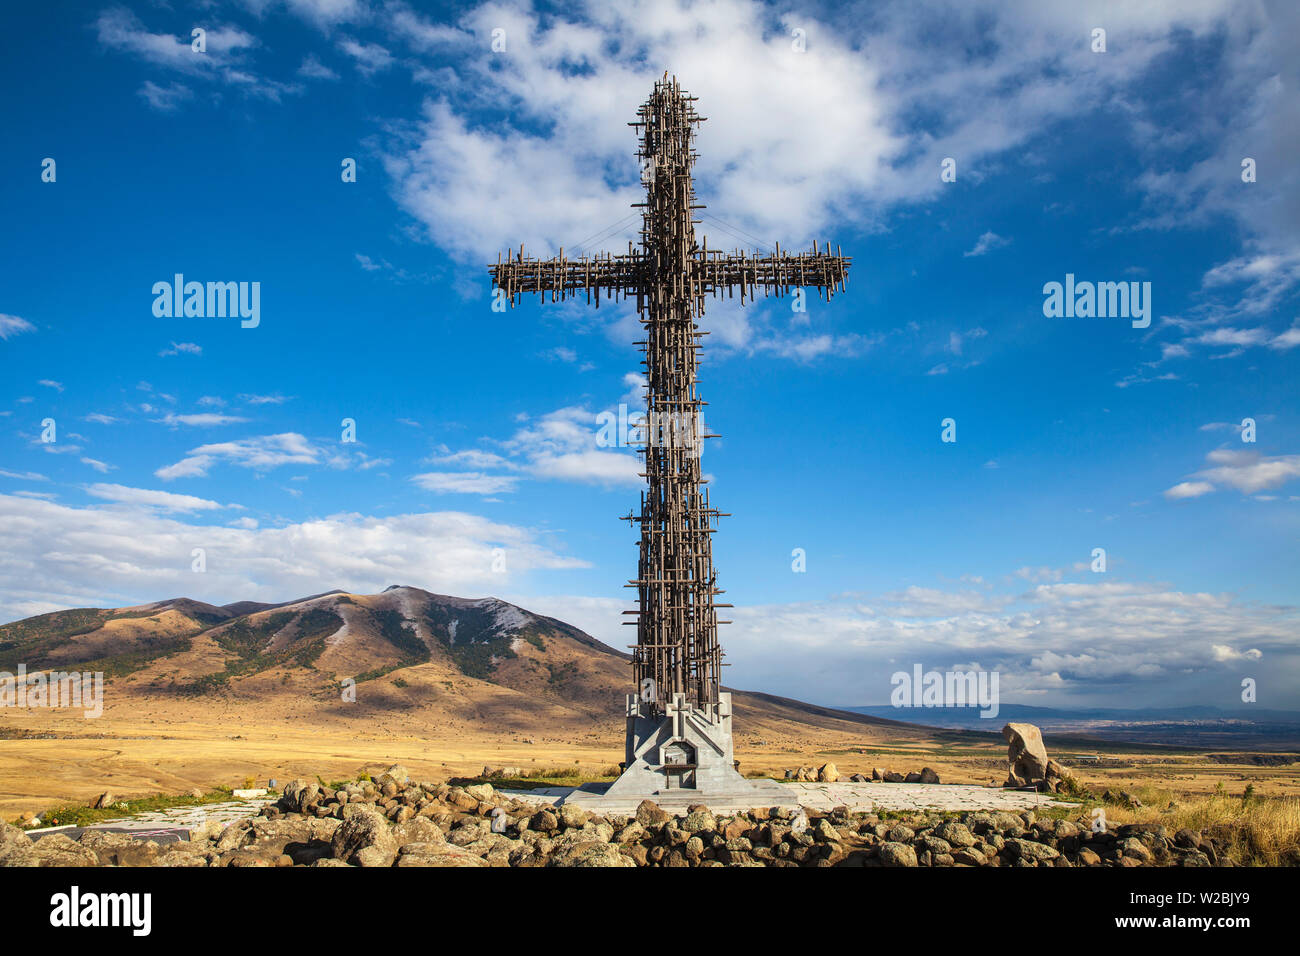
{"points": [[859, 797]]}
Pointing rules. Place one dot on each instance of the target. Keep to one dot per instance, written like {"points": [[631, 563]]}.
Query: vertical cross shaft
{"points": [[677, 628]]}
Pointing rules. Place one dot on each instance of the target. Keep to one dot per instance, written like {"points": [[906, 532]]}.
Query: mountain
{"points": [[437, 660]]}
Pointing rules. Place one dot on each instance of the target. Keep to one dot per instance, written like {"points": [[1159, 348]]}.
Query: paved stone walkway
{"points": [[864, 797], [153, 823]]}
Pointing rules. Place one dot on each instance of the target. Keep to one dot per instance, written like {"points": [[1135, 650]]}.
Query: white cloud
{"points": [[314, 69], [1077, 639], [99, 466], [464, 482], [1249, 471], [370, 58], [261, 453], [1286, 340], [322, 14], [189, 348], [50, 383], [153, 500], [1188, 489], [224, 59], [122, 30], [472, 458], [165, 99], [886, 98], [201, 419], [58, 556], [986, 244], [11, 325]]}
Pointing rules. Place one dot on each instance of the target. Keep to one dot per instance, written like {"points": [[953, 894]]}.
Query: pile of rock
{"points": [[1028, 764], [392, 821], [827, 773]]}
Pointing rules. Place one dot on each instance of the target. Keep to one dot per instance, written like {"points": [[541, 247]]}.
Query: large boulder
{"points": [[827, 773], [15, 847], [60, 850], [364, 830], [590, 854], [897, 854], [1026, 755], [649, 814], [438, 855], [120, 849]]}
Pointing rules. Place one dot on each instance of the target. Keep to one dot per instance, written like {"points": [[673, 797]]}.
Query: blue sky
{"points": [[476, 431]]}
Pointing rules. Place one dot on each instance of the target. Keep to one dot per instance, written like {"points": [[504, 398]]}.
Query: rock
{"points": [[590, 854], [183, 855], [439, 855], [649, 814], [15, 847], [481, 791], [120, 849], [1026, 755], [878, 773], [372, 856], [825, 833], [955, 834], [934, 845], [59, 850], [1089, 858], [912, 778], [899, 834], [860, 778], [698, 821], [249, 858], [893, 777], [102, 802], [969, 857], [1136, 849], [827, 773], [418, 830], [573, 816], [897, 854], [928, 775], [366, 828], [634, 832], [1028, 850]]}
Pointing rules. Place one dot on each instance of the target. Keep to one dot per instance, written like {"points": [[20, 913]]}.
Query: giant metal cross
{"points": [[677, 626]]}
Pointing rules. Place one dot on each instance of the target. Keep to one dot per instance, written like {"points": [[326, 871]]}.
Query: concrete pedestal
{"points": [[681, 758]]}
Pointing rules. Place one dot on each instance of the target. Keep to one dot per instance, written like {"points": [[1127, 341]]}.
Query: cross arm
{"points": [[718, 274], [615, 276]]}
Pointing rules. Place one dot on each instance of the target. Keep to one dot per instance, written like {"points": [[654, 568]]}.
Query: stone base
{"points": [[747, 795], [679, 757]]}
